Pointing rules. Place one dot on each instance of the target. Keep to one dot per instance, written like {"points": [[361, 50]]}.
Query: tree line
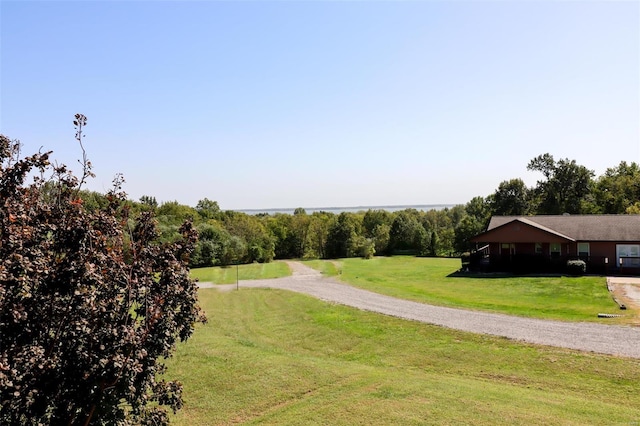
{"points": [[228, 237]]}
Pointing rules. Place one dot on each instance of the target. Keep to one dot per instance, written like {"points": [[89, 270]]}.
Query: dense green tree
{"points": [[618, 189], [422, 242], [510, 199], [443, 222], [300, 224], [207, 209], [341, 233], [93, 200], [170, 216], [446, 239], [258, 241], [212, 241], [175, 213], [381, 237], [479, 209], [318, 234], [234, 251], [454, 214], [279, 226], [433, 244], [149, 201], [406, 234], [373, 219], [261, 250], [467, 228], [360, 246], [566, 188], [475, 220], [290, 234], [434, 220]]}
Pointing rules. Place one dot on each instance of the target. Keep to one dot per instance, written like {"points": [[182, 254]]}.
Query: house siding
{"points": [[601, 249], [522, 234]]}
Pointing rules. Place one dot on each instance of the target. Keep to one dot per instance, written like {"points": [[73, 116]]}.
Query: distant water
{"points": [[338, 210]]}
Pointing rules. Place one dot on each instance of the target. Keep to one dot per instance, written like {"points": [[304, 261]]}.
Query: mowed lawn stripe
{"points": [[276, 357]]}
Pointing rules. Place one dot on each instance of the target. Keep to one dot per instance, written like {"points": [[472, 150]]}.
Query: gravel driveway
{"points": [[606, 339]]}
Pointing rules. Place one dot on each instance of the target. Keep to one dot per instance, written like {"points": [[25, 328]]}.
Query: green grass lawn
{"points": [[276, 357], [253, 271], [429, 280]]}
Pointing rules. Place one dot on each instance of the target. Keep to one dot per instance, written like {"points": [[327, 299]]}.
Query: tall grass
{"points": [[275, 357]]}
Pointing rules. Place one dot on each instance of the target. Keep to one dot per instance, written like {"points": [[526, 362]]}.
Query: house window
{"points": [[507, 248], [555, 249], [583, 250], [538, 248], [628, 255]]}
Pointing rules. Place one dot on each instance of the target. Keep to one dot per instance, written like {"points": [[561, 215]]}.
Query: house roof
{"points": [[579, 227], [541, 227]]}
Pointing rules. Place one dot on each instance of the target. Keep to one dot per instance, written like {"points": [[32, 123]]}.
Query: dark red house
{"points": [[607, 243]]}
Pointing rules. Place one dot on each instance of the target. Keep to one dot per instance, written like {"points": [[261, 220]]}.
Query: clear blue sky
{"points": [[261, 104]]}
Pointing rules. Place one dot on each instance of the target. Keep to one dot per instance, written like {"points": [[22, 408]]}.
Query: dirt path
{"points": [[606, 339], [625, 290]]}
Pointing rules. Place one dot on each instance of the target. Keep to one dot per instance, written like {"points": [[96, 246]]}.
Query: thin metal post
{"points": [[237, 279]]}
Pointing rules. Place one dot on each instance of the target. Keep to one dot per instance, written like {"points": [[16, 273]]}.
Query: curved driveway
{"points": [[606, 339]]}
